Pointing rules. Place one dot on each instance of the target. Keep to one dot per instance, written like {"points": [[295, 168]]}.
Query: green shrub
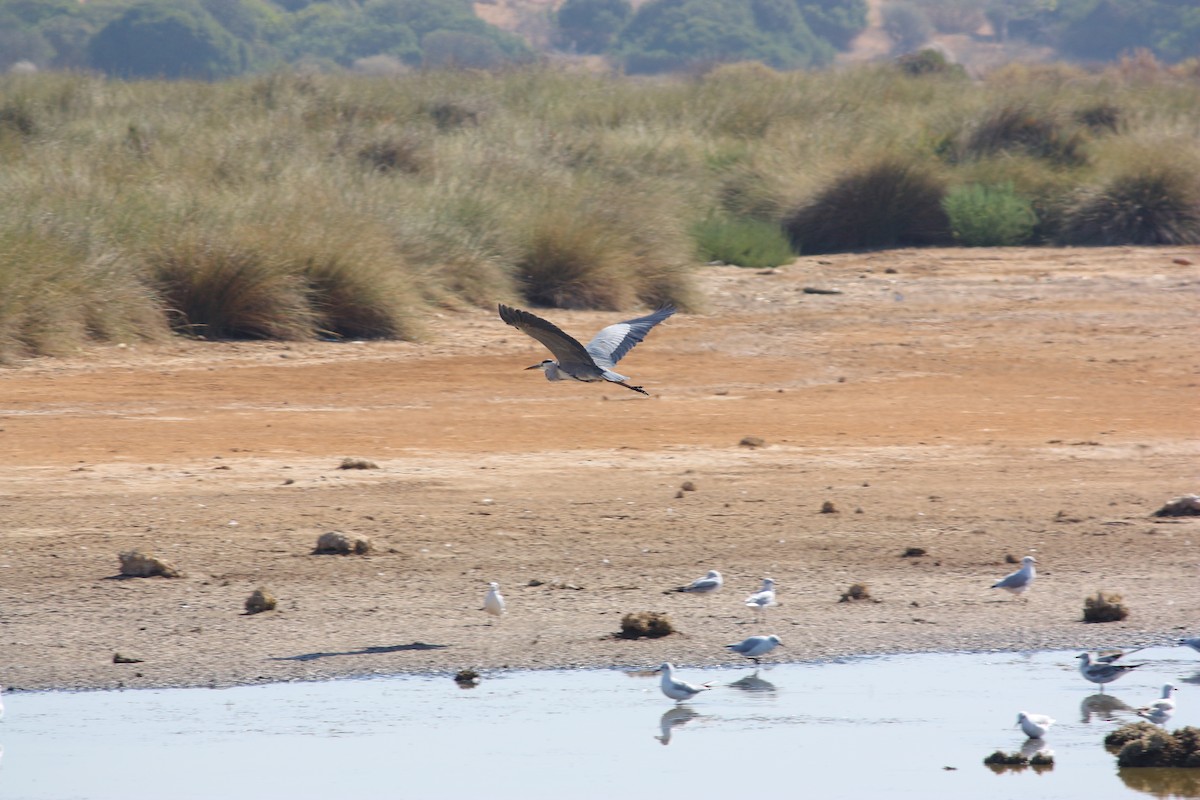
{"points": [[743, 241], [929, 62], [989, 216], [1154, 203], [888, 203]]}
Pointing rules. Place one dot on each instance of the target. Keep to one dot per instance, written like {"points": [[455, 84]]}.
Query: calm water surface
{"points": [[907, 726]]}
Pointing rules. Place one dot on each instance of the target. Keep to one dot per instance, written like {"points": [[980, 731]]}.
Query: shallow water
{"points": [[871, 727]]}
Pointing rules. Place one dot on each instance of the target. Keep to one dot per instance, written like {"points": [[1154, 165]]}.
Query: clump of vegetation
{"points": [[357, 463], [467, 678], [138, 564], [857, 591], [743, 241], [1000, 761], [260, 600], [338, 543], [989, 216], [1104, 608], [929, 62], [645, 624], [1021, 128], [1150, 201], [889, 202], [1141, 744]]}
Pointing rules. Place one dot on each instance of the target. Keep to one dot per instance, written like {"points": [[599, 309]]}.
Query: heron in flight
{"points": [[594, 362]]}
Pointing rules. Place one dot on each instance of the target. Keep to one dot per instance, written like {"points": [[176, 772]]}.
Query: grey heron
{"points": [[596, 361]]}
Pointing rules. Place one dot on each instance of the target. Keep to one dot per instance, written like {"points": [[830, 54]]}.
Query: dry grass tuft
{"points": [[645, 624], [857, 591], [136, 564], [338, 543], [1104, 608], [357, 463], [259, 601]]}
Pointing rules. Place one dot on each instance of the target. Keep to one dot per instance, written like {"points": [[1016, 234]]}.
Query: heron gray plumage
{"points": [[597, 360]]}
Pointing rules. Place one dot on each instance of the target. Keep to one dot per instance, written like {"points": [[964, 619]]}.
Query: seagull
{"points": [[756, 647], [1114, 654], [709, 583], [678, 690], [1019, 582], [1034, 725], [1102, 673], [493, 601], [1161, 709], [1193, 643], [592, 363], [763, 598]]}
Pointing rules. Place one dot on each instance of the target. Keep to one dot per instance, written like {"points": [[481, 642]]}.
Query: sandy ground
{"points": [[977, 404]]}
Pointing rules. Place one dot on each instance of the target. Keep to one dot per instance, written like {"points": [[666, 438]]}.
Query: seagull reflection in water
{"points": [[673, 718], [1101, 706], [754, 684]]}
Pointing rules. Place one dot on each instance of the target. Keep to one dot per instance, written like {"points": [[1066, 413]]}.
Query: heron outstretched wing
{"points": [[610, 344], [566, 349]]}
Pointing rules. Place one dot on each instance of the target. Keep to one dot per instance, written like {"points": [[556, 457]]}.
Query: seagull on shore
{"points": [[1019, 582], [1034, 725], [1101, 673], [1161, 709], [1114, 654], [756, 647], [676, 689], [761, 600], [706, 585], [493, 601], [1193, 643]]}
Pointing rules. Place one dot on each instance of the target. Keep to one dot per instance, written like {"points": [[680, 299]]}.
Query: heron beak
{"points": [[535, 366]]}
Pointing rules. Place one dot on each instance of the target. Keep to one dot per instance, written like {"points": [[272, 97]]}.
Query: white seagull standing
{"points": [[678, 690], [1101, 673], [756, 647], [709, 583], [1161, 709], [763, 598], [493, 601], [1034, 725], [1019, 582], [597, 360]]}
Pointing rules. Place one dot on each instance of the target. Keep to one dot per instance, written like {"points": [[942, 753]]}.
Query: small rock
{"points": [[753, 442], [913, 552], [136, 564], [815, 290], [688, 486], [338, 543], [828, 507], [467, 678], [122, 659], [857, 591]]}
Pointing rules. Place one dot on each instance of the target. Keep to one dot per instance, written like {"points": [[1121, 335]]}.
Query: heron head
{"points": [[542, 366]]}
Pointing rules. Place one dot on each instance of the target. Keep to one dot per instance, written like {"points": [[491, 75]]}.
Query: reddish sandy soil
{"points": [[975, 403]]}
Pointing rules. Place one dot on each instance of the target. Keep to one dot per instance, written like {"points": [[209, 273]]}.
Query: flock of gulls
{"points": [[596, 362]]}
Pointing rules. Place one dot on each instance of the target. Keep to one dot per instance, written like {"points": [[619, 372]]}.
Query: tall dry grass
{"points": [[328, 205]]}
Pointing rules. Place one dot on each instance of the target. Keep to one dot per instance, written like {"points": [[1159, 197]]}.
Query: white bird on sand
{"points": [[1101, 673], [1161, 709], [493, 601], [756, 647], [709, 583], [1034, 725], [678, 690], [1019, 582], [1193, 643], [764, 597]]}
